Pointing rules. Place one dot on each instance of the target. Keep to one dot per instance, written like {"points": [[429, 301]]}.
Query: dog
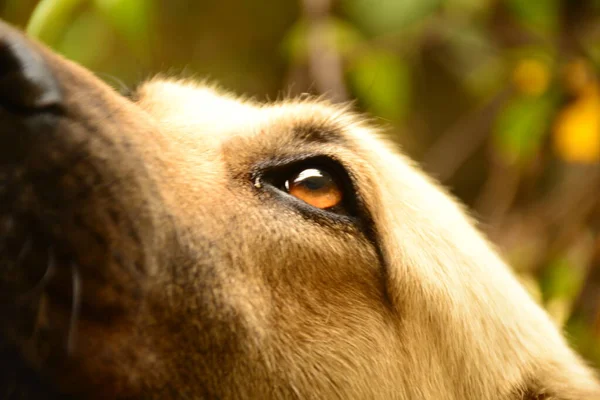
{"points": [[182, 243]]}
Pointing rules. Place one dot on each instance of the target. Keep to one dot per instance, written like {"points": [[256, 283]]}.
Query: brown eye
{"points": [[315, 187]]}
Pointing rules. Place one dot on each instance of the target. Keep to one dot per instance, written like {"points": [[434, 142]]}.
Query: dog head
{"points": [[183, 243]]}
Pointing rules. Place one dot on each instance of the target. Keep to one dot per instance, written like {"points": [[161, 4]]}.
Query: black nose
{"points": [[26, 82]]}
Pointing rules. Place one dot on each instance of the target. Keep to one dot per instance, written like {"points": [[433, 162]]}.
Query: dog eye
{"points": [[315, 187]]}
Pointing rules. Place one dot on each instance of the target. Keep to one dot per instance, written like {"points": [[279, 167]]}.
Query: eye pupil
{"points": [[313, 183], [312, 179]]}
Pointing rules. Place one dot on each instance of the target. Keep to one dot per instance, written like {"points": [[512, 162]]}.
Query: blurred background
{"points": [[498, 99]]}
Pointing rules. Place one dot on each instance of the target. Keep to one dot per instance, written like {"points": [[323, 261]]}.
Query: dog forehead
{"points": [[203, 111]]}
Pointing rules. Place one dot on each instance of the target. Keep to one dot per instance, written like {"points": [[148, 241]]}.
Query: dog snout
{"points": [[67, 220], [26, 81]]}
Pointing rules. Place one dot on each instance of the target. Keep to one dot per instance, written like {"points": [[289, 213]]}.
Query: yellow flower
{"points": [[531, 77], [577, 128]]}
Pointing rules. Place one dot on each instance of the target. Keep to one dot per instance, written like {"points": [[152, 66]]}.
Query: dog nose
{"points": [[26, 82]]}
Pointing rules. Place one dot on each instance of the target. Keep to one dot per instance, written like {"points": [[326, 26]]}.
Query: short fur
{"points": [[166, 269]]}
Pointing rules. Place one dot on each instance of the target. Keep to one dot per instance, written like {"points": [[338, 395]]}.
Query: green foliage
{"points": [[50, 18], [74, 42], [383, 16], [561, 279], [521, 127], [337, 33], [475, 60], [382, 81], [542, 15], [131, 19]]}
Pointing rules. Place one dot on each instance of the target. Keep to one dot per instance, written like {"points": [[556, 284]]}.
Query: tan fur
{"points": [[241, 296]]}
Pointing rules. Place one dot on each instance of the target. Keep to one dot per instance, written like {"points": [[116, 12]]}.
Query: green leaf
{"points": [[521, 126], [88, 27], [342, 36], [468, 7], [541, 15], [381, 81], [48, 20], [131, 18], [561, 279], [384, 16], [474, 58], [582, 337]]}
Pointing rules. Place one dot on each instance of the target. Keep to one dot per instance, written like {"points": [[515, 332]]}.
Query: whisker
{"points": [[75, 308], [117, 83]]}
